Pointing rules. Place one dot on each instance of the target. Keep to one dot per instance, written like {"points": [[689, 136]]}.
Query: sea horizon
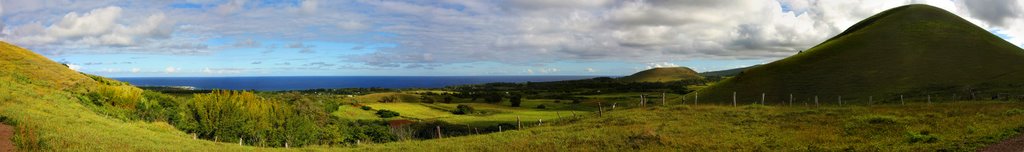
{"points": [[283, 83]]}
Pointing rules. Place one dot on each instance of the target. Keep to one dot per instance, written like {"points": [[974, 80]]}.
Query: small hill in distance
{"points": [[663, 75], [914, 51]]}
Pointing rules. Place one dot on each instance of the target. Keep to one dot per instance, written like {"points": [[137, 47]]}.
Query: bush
{"points": [[427, 99], [515, 100], [448, 99], [384, 113], [922, 137], [464, 109], [388, 99], [366, 108], [541, 106]]}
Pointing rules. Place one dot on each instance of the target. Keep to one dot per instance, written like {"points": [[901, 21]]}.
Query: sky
{"points": [[212, 38]]}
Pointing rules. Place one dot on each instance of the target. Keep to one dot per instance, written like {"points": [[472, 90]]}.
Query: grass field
{"points": [[915, 127]]}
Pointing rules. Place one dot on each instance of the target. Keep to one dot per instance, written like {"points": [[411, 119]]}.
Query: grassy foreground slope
{"points": [[913, 50], [915, 127], [663, 75], [38, 96]]}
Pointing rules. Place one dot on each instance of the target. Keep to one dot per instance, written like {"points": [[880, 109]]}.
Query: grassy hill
{"points": [[663, 75], [41, 98], [916, 51], [727, 72]]}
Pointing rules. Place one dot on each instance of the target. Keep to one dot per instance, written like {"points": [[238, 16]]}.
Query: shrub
{"points": [[464, 109], [427, 99], [448, 99], [1014, 112], [922, 137], [515, 100], [541, 106], [366, 108], [388, 99], [384, 113]]}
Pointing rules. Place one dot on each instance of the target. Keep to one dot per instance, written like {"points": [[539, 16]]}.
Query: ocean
{"points": [[317, 82]]}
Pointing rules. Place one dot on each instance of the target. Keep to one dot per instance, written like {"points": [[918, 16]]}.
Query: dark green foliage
{"points": [[542, 106], [492, 98], [366, 108], [921, 137], [388, 99], [384, 113], [427, 99], [448, 99], [463, 109], [515, 100]]}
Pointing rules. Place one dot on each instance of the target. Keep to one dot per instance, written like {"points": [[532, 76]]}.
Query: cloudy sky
{"points": [[444, 37]]}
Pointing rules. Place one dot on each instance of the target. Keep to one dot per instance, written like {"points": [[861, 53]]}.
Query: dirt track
{"points": [[6, 132], [1015, 144]]}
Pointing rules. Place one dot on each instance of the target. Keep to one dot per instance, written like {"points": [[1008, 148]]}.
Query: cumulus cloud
{"points": [[423, 34], [591, 70], [98, 28], [661, 65], [171, 69], [74, 67]]}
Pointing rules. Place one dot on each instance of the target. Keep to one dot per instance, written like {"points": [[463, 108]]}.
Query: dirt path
{"points": [[1015, 144], [6, 132]]}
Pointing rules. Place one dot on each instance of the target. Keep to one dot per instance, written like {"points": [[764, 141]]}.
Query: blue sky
{"points": [[448, 37]]}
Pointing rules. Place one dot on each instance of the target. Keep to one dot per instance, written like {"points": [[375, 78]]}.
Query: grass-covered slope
{"points": [[914, 50], [663, 75], [40, 98], [727, 72]]}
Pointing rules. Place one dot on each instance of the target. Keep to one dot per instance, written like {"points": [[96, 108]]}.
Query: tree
{"points": [[515, 100], [448, 99], [493, 98], [463, 109], [384, 113]]}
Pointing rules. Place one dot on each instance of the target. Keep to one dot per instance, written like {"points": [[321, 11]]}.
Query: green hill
{"points": [[663, 75], [915, 51], [42, 99], [727, 72]]}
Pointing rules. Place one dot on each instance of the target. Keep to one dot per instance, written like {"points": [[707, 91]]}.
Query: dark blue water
{"points": [[316, 82]]}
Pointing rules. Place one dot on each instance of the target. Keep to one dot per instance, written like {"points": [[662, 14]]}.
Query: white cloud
{"points": [[74, 67], [171, 69], [591, 70], [661, 65], [136, 70]]}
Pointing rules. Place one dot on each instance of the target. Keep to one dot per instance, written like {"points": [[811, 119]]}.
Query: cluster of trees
{"points": [[272, 120]]}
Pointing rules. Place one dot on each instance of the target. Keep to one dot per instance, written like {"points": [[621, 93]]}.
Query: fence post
{"points": [[499, 128], [840, 100], [734, 98], [695, 94], [519, 124], [600, 109], [816, 102], [871, 99], [438, 132], [901, 100], [762, 98], [240, 141], [663, 99], [929, 99], [790, 99]]}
